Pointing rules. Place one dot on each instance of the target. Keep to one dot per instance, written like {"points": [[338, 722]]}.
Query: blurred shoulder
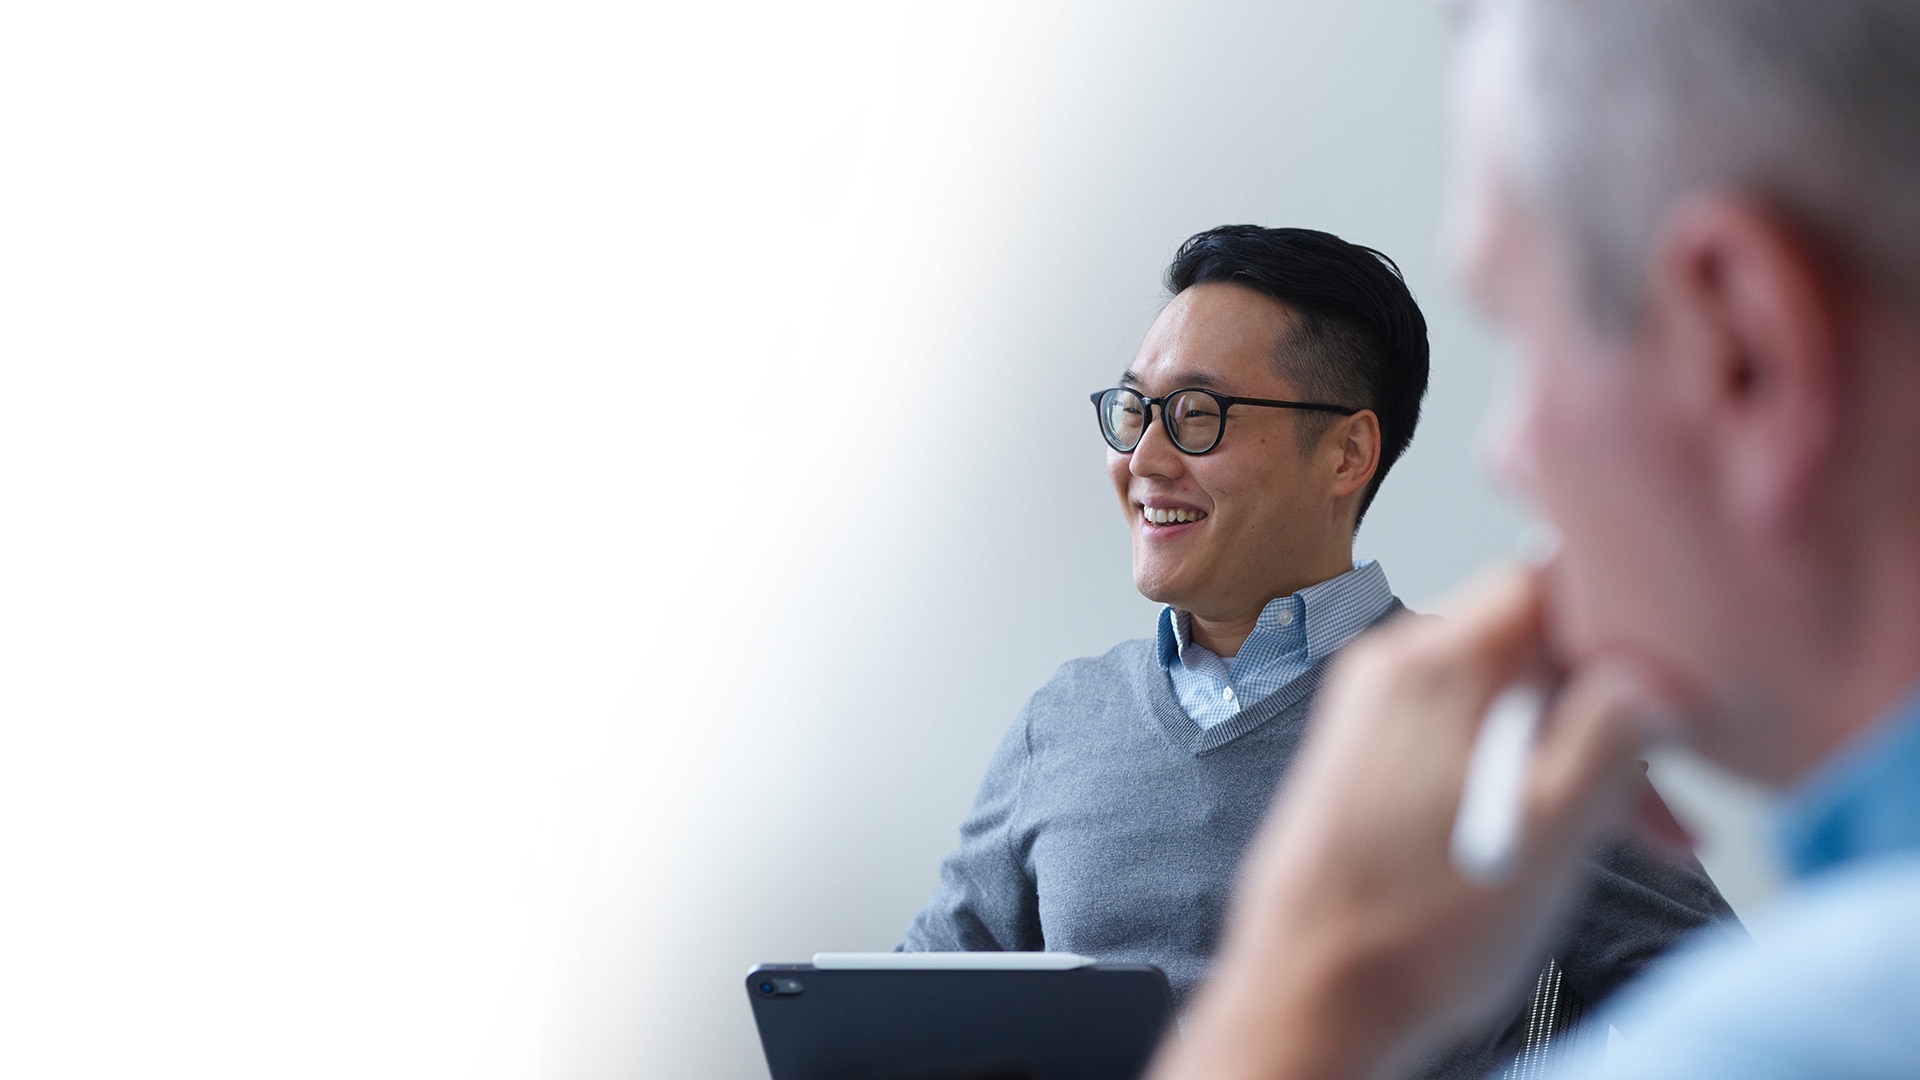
{"points": [[1824, 987]]}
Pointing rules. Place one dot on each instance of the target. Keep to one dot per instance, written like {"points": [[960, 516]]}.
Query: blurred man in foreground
{"points": [[1699, 222]]}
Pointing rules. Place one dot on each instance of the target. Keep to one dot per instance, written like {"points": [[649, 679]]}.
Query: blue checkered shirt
{"points": [[1293, 634]]}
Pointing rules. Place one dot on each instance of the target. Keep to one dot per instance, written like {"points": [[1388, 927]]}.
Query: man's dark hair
{"points": [[1359, 339]]}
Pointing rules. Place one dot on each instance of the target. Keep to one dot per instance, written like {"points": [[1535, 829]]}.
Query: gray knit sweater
{"points": [[1109, 824]]}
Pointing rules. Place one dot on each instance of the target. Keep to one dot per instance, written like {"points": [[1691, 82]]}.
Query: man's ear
{"points": [[1355, 444], [1751, 309]]}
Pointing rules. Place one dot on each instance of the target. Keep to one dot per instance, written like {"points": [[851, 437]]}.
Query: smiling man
{"points": [[1266, 405]]}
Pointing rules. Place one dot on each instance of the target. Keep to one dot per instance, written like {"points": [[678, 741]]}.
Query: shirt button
{"points": [[1226, 693], [1286, 616]]}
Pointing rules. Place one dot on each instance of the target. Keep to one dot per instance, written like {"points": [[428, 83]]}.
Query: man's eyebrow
{"points": [[1191, 378]]}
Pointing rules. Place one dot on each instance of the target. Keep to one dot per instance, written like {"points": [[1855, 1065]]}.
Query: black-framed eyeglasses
{"points": [[1194, 418]]}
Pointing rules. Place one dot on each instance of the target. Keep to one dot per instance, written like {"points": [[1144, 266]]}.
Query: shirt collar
{"points": [[1173, 635], [1328, 609], [1864, 802], [1339, 608]]}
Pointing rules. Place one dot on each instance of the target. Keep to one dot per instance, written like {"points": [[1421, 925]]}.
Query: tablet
{"points": [[958, 1016]]}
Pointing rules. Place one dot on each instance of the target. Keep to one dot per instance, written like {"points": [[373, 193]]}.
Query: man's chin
{"points": [[1582, 625], [1568, 618], [1157, 587]]}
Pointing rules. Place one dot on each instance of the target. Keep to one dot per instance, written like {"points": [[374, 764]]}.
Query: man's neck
{"points": [[1862, 612], [1222, 637], [1868, 661], [1222, 630]]}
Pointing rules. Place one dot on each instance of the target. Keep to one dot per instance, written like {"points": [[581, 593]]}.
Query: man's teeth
{"points": [[1160, 516]]}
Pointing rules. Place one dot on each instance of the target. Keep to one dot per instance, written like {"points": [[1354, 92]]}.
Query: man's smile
{"points": [[1153, 515]]}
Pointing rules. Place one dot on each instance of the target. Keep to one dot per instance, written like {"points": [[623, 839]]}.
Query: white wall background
{"points": [[514, 512]]}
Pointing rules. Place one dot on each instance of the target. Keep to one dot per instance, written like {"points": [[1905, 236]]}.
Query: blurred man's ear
{"points": [[1751, 311], [1356, 442]]}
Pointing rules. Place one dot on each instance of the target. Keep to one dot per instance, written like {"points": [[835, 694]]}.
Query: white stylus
{"points": [[1488, 826], [951, 961]]}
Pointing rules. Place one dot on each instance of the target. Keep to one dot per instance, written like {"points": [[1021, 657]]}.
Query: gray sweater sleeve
{"points": [[986, 901], [1638, 905]]}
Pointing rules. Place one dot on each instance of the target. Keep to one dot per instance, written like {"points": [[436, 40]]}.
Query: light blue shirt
{"points": [[1830, 985], [1293, 634]]}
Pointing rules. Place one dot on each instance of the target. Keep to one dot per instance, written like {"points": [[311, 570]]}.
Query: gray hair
{"points": [[1627, 107]]}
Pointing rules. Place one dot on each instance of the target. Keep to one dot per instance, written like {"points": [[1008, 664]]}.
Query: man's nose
{"points": [[1155, 454], [1507, 442]]}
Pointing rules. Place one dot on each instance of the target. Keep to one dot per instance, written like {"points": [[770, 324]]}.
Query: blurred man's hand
{"points": [[1354, 941]]}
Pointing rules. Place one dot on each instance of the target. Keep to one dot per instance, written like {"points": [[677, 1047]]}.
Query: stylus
{"points": [[948, 961], [1487, 828]]}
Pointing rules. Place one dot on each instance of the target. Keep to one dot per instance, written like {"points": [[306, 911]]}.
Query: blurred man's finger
{"points": [[1587, 764]]}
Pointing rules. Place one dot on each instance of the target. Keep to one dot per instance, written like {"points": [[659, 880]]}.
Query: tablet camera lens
{"points": [[774, 986]]}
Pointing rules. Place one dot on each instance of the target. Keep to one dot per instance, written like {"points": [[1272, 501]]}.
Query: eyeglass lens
{"points": [[1193, 417]]}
